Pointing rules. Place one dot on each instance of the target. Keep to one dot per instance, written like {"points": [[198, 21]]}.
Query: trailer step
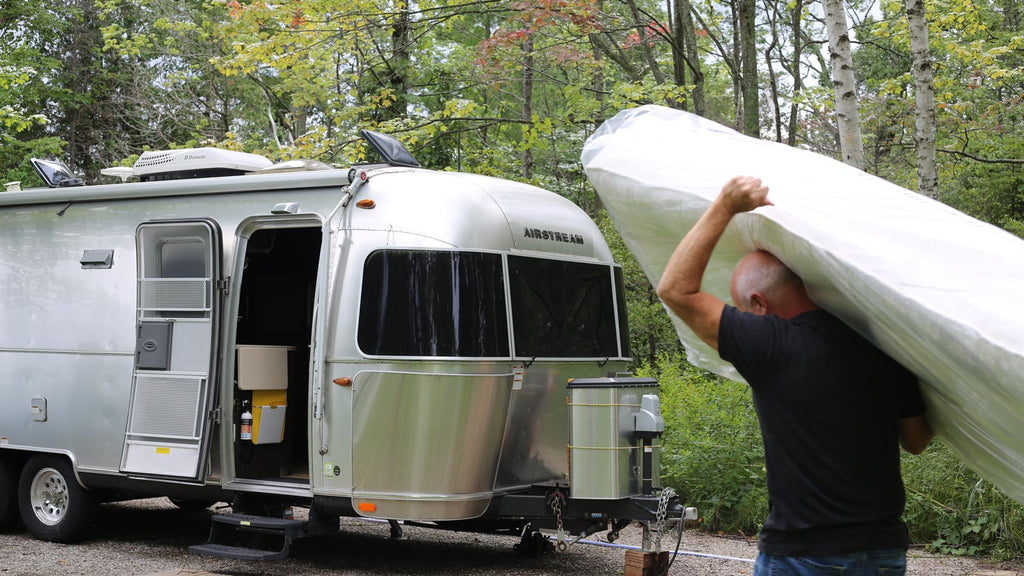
{"points": [[247, 537], [237, 552]]}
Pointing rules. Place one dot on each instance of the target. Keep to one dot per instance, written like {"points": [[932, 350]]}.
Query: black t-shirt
{"points": [[829, 405]]}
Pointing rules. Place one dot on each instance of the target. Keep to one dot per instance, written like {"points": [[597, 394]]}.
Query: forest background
{"points": [[926, 94]]}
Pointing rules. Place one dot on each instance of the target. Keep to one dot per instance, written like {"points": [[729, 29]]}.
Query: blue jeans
{"points": [[871, 563]]}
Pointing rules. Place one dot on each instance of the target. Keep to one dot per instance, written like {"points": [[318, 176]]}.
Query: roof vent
{"points": [[195, 163]]}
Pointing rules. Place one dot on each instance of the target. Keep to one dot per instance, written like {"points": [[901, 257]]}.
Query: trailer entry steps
{"points": [[245, 537]]}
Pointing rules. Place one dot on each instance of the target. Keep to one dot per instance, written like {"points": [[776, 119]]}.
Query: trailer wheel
{"points": [[54, 507], [8, 494]]}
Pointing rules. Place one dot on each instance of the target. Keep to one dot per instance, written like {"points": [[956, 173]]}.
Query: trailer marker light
{"points": [[366, 203], [343, 381], [367, 507]]}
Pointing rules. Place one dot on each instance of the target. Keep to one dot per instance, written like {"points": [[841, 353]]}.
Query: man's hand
{"points": [[680, 286], [915, 433], [743, 194]]}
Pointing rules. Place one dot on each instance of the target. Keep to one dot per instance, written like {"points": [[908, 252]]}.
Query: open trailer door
{"points": [[172, 387]]}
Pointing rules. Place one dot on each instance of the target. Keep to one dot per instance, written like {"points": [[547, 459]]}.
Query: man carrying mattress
{"points": [[833, 409]]}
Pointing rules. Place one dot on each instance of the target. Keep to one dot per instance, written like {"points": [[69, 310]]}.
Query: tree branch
{"points": [[980, 159]]}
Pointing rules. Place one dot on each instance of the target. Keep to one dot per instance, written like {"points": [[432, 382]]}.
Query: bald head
{"points": [[762, 284]]}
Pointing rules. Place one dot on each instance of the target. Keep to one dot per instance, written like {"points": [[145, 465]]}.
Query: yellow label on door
{"points": [[162, 450]]}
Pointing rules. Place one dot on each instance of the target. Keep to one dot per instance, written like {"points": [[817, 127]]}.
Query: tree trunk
{"points": [[796, 18], [737, 73], [685, 54], [924, 100], [527, 109], [773, 82], [604, 46], [598, 84], [1011, 14], [398, 65], [645, 48], [851, 144], [748, 66], [678, 51]]}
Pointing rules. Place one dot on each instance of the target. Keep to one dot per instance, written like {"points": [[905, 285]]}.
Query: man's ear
{"points": [[758, 304]]}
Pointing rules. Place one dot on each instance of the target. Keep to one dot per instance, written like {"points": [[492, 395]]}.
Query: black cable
{"points": [[675, 554]]}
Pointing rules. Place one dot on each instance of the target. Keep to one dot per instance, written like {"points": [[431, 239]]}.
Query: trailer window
{"points": [[620, 301], [562, 309], [433, 303], [183, 258]]}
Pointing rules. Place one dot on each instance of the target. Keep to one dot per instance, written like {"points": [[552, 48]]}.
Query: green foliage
{"points": [[954, 511], [24, 114], [712, 451]]}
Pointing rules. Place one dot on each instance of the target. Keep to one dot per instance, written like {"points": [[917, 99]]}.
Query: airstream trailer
{"points": [[387, 341]]}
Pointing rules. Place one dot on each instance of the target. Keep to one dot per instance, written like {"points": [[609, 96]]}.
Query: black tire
{"points": [[8, 494], [54, 507]]}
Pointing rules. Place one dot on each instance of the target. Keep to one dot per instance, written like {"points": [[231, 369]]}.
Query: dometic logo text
{"points": [[539, 234]]}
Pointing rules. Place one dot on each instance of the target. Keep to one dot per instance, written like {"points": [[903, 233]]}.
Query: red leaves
{"points": [[650, 34], [535, 14], [234, 9], [298, 18]]}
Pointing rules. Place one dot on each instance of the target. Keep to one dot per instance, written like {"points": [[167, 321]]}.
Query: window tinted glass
{"points": [[620, 293], [433, 303], [562, 309], [183, 259]]}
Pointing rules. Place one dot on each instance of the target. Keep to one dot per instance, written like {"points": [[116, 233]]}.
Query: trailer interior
{"points": [[275, 315]]}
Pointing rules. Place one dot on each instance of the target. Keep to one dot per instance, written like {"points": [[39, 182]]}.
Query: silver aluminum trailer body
{"points": [[429, 321]]}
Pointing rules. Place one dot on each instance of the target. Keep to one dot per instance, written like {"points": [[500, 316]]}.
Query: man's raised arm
{"points": [[680, 286]]}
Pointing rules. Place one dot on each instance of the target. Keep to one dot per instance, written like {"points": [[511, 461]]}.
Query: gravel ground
{"points": [[150, 537]]}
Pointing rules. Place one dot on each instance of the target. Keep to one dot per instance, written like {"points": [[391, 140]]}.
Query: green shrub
{"points": [[712, 451], [952, 509]]}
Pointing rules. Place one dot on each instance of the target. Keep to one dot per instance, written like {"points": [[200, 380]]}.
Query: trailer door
{"points": [[175, 357]]}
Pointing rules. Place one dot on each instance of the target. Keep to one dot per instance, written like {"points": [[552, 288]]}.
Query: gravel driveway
{"points": [[150, 537]]}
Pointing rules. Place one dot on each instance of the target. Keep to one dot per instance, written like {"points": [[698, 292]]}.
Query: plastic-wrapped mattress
{"points": [[934, 288]]}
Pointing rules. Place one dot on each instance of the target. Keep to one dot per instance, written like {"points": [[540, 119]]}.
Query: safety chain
{"points": [[555, 503], [666, 495]]}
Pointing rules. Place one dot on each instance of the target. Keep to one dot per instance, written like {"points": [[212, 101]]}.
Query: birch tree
{"points": [[844, 84], [924, 100]]}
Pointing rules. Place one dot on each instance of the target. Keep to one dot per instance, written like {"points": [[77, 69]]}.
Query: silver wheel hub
{"points": [[49, 496]]}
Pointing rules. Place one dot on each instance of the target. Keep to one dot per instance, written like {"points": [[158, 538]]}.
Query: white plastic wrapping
{"points": [[934, 288]]}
